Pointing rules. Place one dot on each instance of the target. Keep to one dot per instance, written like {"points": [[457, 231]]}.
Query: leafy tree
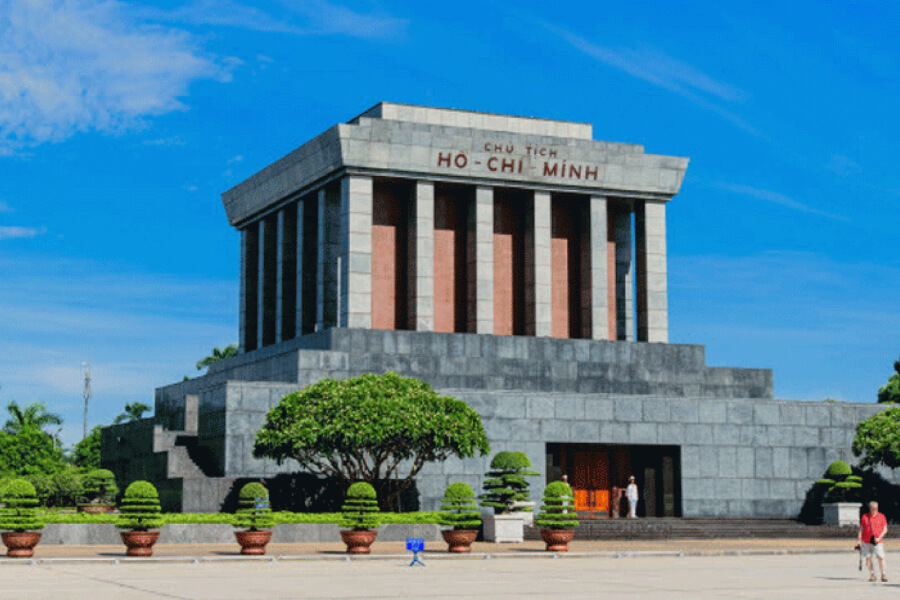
{"points": [[86, 453], [217, 355], [30, 451], [134, 411], [360, 509], [139, 509], [877, 439], [362, 429], [254, 513], [34, 415], [890, 392]]}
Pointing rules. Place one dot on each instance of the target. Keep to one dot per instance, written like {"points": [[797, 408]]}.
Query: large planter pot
{"points": [[557, 540], [253, 542], [139, 543], [504, 528], [358, 540], [20, 544], [841, 513], [459, 540], [94, 509], [526, 509]]}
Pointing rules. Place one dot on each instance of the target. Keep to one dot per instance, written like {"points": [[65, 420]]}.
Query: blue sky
{"points": [[122, 122]]}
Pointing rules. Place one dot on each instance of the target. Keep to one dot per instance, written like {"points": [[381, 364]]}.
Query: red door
{"points": [[590, 481]]}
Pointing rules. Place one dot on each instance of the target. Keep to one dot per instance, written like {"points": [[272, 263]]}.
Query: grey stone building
{"points": [[515, 263]]}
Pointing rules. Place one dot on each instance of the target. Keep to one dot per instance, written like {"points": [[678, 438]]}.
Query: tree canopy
{"points": [[217, 355], [134, 411], [86, 453], [362, 429], [34, 415], [877, 439], [890, 392]]}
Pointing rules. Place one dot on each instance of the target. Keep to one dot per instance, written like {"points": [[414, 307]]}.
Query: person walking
{"points": [[631, 492], [872, 529]]}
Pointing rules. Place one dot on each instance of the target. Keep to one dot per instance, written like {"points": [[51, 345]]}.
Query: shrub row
{"points": [[412, 518]]}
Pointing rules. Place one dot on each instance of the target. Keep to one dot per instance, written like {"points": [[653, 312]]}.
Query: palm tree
{"points": [[34, 415], [134, 411], [217, 355]]}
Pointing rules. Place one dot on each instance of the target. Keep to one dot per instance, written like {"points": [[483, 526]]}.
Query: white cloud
{"points": [[20, 233], [659, 69], [776, 198], [299, 17], [69, 66], [169, 141], [235, 159]]}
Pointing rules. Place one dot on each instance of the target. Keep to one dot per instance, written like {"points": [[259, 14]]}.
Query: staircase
{"points": [[703, 528]]}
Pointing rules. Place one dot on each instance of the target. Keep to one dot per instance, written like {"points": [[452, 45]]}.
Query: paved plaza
{"points": [[813, 576]]}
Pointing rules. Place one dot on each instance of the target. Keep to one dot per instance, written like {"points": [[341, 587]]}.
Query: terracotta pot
{"points": [[253, 542], [139, 543], [358, 541], [94, 509], [557, 540], [20, 544], [459, 540]]}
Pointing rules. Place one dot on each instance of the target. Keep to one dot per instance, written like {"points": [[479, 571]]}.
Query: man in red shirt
{"points": [[872, 529]]}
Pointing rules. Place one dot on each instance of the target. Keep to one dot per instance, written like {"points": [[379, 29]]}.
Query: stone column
{"points": [[421, 242], [598, 275], [356, 252], [624, 284], [260, 283], [298, 319], [543, 284], [279, 275], [652, 289], [480, 248], [242, 308]]}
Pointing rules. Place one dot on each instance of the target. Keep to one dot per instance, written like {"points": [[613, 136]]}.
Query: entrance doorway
{"points": [[597, 472]]}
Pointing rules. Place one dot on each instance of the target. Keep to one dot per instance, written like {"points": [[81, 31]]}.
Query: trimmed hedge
{"points": [[506, 484], [99, 486], [140, 508], [20, 511], [279, 518], [254, 512], [558, 510], [458, 509], [360, 509]]}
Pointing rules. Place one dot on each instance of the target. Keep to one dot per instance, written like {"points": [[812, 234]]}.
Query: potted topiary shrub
{"points": [[557, 519], [140, 515], [255, 516], [460, 513], [19, 518], [841, 499], [506, 492], [360, 516], [98, 492]]}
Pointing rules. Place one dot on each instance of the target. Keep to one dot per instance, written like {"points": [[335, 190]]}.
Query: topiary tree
{"points": [[20, 512], [367, 427], [360, 509], [254, 513], [458, 509], [877, 439], [839, 483], [558, 510], [140, 508], [99, 487], [506, 484]]}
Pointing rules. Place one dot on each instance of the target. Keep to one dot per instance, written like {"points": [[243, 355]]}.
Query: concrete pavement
{"points": [[798, 577]]}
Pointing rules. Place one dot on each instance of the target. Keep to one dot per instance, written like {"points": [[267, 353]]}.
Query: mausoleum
{"points": [[515, 263]]}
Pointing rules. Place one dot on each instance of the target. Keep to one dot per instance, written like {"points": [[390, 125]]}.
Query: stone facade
{"points": [[515, 263]]}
